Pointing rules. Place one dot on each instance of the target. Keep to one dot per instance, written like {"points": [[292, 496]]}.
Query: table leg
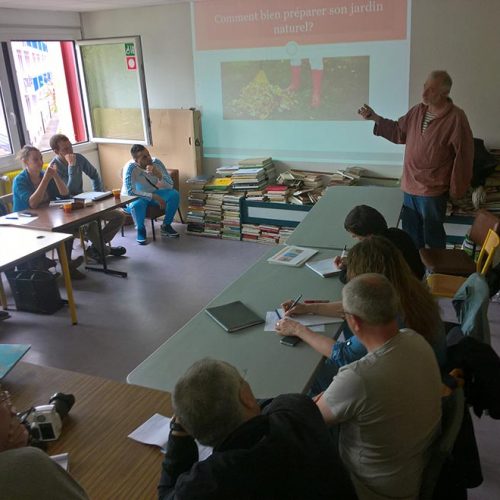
{"points": [[63, 257], [3, 298], [105, 269]]}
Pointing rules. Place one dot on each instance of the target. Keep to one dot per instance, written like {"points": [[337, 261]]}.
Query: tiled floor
{"points": [[121, 321]]}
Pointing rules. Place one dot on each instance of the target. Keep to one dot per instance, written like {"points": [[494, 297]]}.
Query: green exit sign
{"points": [[129, 49]]}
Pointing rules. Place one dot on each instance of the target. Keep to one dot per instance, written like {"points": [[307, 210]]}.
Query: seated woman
{"points": [[363, 221], [419, 310], [32, 188]]}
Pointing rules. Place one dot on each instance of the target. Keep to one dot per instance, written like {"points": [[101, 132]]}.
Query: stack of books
{"points": [[218, 184], [305, 196], [285, 232], [256, 195], [250, 232], [277, 193], [196, 214], [199, 181], [213, 214], [249, 179], [269, 234], [266, 163], [231, 221], [227, 171]]}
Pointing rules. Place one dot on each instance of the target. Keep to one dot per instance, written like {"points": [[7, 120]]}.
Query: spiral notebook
{"points": [[234, 316]]}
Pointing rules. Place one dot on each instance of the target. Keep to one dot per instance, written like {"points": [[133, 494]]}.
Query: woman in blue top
{"points": [[32, 187], [419, 310]]}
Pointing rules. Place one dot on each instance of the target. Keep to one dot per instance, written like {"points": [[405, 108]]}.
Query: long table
{"points": [[270, 367], [101, 458], [19, 245], [323, 226], [56, 219]]}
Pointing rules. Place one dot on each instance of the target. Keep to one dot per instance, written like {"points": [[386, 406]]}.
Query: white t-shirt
{"points": [[389, 406]]}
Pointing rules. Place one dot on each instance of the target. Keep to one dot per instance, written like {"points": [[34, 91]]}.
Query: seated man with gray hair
{"points": [[388, 403], [283, 450]]}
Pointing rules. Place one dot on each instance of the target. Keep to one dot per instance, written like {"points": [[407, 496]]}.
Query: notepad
{"points": [[325, 268], [292, 256], [10, 354], [93, 195], [234, 316]]}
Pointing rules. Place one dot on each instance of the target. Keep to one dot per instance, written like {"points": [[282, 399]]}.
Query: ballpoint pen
{"points": [[294, 303], [344, 252], [278, 314]]}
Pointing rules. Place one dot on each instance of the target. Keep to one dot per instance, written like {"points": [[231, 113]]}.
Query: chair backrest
{"points": [[6, 202], [487, 253], [452, 414], [483, 221]]}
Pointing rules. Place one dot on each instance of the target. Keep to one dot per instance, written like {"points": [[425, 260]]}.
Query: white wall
{"points": [[166, 45], [461, 36]]}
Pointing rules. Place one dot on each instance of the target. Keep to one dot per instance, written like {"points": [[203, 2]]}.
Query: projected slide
{"points": [[285, 78]]}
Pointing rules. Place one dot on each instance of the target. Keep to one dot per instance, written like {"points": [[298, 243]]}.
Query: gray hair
{"points": [[372, 298], [206, 400], [444, 77]]}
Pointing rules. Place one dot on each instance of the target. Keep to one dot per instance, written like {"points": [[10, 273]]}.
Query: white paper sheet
{"points": [[62, 460], [15, 218], [155, 431], [272, 319]]}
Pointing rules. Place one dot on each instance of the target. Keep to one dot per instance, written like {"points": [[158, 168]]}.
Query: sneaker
{"points": [[168, 231], [117, 251], [141, 235]]}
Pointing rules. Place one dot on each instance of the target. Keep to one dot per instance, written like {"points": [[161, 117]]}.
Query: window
{"points": [[5, 144]]}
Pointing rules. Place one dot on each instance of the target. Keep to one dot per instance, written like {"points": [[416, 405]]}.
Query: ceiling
{"points": [[81, 5]]}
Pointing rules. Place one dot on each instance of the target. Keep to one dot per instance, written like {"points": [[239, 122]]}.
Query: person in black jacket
{"points": [[281, 451], [363, 221]]}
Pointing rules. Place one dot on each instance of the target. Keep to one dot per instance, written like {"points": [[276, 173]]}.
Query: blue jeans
{"points": [[138, 207], [423, 218]]}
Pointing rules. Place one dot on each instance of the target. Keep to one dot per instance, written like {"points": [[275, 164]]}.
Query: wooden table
{"points": [[102, 459], [323, 226], [267, 365], [57, 220], [19, 245]]}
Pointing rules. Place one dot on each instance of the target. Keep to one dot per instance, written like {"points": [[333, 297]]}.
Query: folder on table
{"points": [[234, 316]]}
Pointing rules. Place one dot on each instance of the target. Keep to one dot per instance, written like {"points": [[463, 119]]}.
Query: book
{"points": [[292, 256], [93, 195], [234, 316], [10, 354], [325, 267]]}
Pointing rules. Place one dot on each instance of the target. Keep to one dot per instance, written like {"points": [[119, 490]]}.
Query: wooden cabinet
{"points": [[176, 142]]}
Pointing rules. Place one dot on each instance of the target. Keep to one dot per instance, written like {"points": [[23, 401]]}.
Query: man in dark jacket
{"points": [[281, 451]]}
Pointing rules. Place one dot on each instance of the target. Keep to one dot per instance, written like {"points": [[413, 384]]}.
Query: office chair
{"points": [[444, 285]]}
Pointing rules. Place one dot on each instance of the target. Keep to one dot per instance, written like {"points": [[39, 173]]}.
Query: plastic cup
{"points": [[68, 207], [116, 193]]}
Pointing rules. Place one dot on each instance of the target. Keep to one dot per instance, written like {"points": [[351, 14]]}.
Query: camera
{"points": [[44, 422]]}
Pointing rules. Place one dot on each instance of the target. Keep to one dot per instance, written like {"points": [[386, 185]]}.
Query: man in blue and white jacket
{"points": [[148, 178]]}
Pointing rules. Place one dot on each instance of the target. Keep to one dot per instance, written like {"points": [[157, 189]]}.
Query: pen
{"points": [[11, 217], [295, 302], [278, 313], [344, 252], [313, 301]]}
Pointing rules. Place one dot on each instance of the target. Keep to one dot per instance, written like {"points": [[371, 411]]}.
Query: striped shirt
{"points": [[427, 119]]}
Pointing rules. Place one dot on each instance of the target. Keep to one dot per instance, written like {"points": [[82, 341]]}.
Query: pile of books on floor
{"points": [[269, 234], [285, 233], [250, 232], [196, 214], [213, 214], [227, 170], [231, 220], [277, 193], [266, 163], [218, 184], [348, 177]]}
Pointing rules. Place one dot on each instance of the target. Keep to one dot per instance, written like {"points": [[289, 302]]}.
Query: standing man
{"points": [[388, 403], [148, 178], [438, 158], [70, 167]]}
